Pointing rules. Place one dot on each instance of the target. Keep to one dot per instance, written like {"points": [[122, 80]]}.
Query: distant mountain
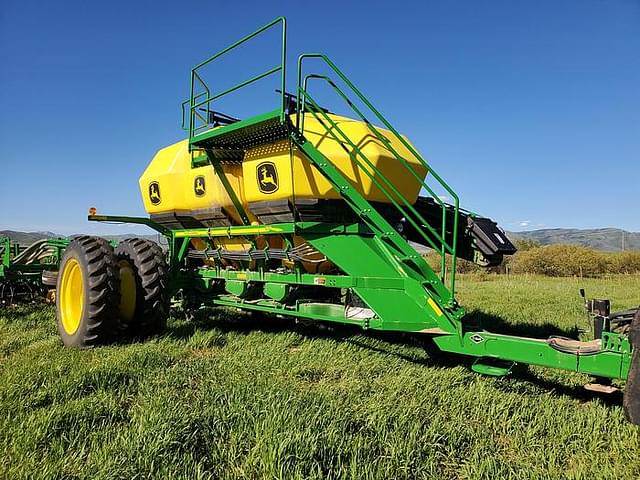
{"points": [[606, 239], [154, 238], [27, 238]]}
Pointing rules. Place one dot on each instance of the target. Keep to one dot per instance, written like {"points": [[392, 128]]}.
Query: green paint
{"points": [[276, 291], [31, 273], [236, 287], [378, 268], [227, 186]]}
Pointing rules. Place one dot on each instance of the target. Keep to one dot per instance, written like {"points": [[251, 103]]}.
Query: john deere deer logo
{"points": [[154, 193], [199, 186], [267, 177]]}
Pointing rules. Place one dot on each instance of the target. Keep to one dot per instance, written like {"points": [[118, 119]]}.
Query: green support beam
{"points": [[532, 351]]}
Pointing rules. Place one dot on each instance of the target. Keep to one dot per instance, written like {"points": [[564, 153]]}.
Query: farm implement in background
{"points": [[301, 212], [28, 272]]}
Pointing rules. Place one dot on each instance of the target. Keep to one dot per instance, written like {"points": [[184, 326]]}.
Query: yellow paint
{"points": [[434, 306], [295, 175], [290, 174], [71, 296], [313, 267], [171, 169], [216, 232], [127, 291]]}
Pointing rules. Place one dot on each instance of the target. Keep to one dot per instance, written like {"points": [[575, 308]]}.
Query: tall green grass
{"points": [[240, 396]]}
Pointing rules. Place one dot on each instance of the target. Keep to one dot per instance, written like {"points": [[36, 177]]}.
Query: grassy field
{"points": [[236, 396]]}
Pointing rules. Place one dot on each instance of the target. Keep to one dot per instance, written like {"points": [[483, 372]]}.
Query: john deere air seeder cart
{"points": [[304, 213]]}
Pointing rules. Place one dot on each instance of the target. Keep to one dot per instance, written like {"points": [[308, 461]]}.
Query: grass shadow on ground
{"points": [[388, 342], [478, 319], [248, 322], [245, 322], [576, 392]]}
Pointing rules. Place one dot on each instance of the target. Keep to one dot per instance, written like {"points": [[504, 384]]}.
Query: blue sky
{"points": [[530, 110]]}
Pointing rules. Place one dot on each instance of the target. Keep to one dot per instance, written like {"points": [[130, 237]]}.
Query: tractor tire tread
{"points": [[148, 262], [99, 324], [631, 396]]}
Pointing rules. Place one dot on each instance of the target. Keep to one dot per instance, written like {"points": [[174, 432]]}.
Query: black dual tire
{"points": [[87, 293], [631, 398], [146, 261], [91, 290]]}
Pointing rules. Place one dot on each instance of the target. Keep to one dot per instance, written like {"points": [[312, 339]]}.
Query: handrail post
{"points": [[283, 73], [191, 101], [209, 98]]}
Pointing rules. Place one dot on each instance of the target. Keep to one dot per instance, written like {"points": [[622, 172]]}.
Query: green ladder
{"points": [[419, 300]]}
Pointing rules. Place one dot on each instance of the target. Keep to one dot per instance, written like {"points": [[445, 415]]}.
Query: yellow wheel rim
{"points": [[127, 291], [71, 296]]}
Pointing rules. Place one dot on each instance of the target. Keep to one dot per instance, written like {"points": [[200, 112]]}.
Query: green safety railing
{"points": [[5, 252], [304, 100], [200, 96]]}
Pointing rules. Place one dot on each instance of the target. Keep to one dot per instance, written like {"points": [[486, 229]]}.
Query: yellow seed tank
{"points": [[175, 192]]}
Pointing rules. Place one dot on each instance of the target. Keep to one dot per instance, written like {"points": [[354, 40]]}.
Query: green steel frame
{"points": [[400, 288], [10, 271], [450, 331]]}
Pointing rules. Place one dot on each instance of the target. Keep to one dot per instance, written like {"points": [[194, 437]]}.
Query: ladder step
{"points": [[493, 367], [244, 134]]}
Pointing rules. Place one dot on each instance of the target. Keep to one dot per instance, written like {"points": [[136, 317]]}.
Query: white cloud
{"points": [[524, 223]]}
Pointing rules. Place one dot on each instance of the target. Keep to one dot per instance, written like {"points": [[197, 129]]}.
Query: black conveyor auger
{"points": [[480, 239]]}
